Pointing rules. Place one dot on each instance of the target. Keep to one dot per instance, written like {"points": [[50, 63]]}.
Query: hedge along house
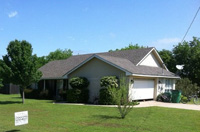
{"points": [[147, 74]]}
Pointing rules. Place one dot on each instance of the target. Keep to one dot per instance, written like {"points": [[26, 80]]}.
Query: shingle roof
{"points": [[126, 60]]}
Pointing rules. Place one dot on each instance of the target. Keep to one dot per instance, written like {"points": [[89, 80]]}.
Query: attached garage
{"points": [[142, 89]]}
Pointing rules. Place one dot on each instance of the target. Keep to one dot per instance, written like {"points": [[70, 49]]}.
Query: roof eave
{"points": [[158, 76], [52, 78]]}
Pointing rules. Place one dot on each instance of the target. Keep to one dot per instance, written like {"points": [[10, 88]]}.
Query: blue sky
{"points": [[89, 26]]}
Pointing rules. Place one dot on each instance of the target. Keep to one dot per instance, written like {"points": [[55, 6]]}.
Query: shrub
{"points": [[37, 94], [107, 96], [1, 83], [79, 82], [72, 95], [44, 94], [124, 103], [79, 92], [184, 99], [63, 94], [77, 95], [84, 96], [187, 87], [31, 93], [164, 97], [109, 82]]}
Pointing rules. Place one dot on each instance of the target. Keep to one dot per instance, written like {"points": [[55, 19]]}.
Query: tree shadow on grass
{"points": [[16, 97], [107, 117], [9, 102], [13, 130]]}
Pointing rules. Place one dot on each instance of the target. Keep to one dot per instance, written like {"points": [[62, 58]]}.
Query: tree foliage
{"points": [[19, 65], [187, 87], [168, 59], [41, 61], [56, 55], [188, 53], [59, 55], [129, 47]]}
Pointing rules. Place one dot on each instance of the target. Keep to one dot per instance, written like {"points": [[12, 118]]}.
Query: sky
{"points": [[90, 26]]}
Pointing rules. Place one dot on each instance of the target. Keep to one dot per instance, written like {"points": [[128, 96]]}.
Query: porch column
{"points": [[155, 88], [44, 87], [174, 84]]}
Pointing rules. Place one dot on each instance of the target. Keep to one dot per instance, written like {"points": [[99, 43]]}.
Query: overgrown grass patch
{"points": [[44, 116]]}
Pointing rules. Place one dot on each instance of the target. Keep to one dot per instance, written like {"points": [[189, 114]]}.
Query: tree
{"points": [[124, 104], [129, 47], [59, 55], [56, 55], [19, 65], [168, 59], [187, 87], [188, 53], [41, 61]]}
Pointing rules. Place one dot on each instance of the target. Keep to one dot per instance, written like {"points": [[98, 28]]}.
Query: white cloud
{"points": [[165, 43], [12, 14]]}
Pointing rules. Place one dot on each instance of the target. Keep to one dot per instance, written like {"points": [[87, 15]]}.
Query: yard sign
{"points": [[21, 118]]}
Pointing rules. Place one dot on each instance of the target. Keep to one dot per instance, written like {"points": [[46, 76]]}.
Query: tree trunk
{"points": [[23, 101], [23, 95]]}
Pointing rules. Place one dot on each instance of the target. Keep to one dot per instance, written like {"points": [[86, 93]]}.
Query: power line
{"points": [[190, 25]]}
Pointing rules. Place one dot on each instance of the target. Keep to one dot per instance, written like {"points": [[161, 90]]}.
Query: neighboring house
{"points": [[147, 74]]}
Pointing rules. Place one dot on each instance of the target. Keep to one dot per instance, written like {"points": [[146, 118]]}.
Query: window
{"points": [[168, 85]]}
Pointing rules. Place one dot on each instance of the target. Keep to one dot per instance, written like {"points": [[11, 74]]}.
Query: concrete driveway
{"points": [[169, 105], [149, 104]]}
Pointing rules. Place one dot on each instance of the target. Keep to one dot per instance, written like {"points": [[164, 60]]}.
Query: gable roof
{"points": [[124, 60]]}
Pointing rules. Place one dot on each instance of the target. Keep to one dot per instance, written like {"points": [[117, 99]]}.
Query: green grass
{"points": [[44, 116]]}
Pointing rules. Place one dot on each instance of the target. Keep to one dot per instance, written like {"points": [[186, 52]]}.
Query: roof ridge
{"points": [[115, 51]]}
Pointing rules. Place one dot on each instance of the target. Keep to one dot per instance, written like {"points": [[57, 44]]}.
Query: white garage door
{"points": [[142, 89]]}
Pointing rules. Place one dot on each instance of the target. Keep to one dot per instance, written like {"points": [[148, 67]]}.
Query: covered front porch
{"points": [[56, 88]]}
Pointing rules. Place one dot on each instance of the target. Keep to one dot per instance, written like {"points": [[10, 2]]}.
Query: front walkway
{"points": [[169, 105], [149, 104]]}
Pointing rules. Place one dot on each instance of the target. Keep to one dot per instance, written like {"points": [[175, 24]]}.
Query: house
{"points": [[147, 74]]}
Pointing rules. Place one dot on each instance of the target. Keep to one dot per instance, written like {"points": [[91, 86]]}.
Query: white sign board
{"points": [[21, 118]]}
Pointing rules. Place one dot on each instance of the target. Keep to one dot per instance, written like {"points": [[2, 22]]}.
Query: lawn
{"points": [[44, 116]]}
